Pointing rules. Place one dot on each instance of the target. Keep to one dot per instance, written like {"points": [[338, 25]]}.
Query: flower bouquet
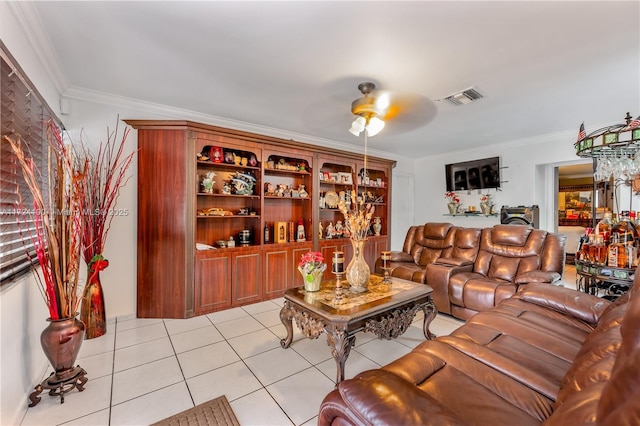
{"points": [[453, 202], [486, 204], [312, 267]]}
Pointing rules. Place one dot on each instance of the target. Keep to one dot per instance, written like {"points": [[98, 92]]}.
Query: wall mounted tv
{"points": [[477, 174]]}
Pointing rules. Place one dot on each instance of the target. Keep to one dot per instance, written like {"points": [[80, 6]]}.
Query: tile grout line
{"points": [[175, 355], [113, 368]]}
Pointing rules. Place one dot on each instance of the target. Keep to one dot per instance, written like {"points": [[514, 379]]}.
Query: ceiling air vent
{"points": [[465, 97]]}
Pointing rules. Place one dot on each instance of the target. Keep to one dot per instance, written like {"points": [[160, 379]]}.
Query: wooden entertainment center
{"points": [[176, 212]]}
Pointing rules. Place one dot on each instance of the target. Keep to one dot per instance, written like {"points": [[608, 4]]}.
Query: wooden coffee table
{"points": [[387, 310]]}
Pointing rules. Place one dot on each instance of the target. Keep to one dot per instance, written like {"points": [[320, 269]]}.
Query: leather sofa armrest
{"points": [[438, 275], [583, 306], [453, 261], [537, 277], [378, 397], [400, 256]]}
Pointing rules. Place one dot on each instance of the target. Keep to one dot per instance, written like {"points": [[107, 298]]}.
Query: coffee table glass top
{"points": [[378, 294]]}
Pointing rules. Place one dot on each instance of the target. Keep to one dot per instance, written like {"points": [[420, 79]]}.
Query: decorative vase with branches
{"points": [[53, 224], [105, 176], [357, 218]]}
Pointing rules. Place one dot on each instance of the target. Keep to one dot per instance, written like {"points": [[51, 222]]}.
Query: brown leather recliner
{"points": [[548, 356], [422, 246], [508, 256]]}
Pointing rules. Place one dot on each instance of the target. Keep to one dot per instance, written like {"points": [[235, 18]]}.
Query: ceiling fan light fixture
{"points": [[358, 126], [375, 126]]}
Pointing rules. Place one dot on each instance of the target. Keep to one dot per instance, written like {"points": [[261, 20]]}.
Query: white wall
{"points": [[526, 174]]}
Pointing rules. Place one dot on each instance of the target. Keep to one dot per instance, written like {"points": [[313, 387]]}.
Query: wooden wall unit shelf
{"points": [[176, 211]]}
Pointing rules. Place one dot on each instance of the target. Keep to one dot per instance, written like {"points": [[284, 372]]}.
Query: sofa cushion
{"points": [[442, 371], [510, 235]]}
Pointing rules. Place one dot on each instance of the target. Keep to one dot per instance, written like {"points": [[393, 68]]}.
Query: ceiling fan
{"points": [[376, 107]]}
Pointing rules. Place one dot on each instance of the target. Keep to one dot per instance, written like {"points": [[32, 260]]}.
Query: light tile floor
{"points": [[144, 370]]}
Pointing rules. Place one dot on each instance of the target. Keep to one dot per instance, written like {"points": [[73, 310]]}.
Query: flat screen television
{"points": [[476, 174]]}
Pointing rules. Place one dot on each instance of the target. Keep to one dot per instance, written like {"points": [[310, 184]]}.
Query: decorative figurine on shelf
{"points": [[302, 167], [216, 154], [330, 231], [287, 191], [302, 193], [269, 189], [377, 226], [226, 188], [280, 190], [320, 229], [338, 229], [301, 235], [208, 182], [243, 183]]}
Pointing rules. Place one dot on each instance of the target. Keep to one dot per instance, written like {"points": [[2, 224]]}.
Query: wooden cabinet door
{"points": [[212, 283], [295, 277], [374, 246], [246, 285], [276, 271]]}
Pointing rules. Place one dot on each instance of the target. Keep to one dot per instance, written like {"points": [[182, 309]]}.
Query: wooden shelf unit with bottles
{"points": [[176, 212]]}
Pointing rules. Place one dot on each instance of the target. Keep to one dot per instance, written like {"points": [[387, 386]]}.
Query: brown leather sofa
{"points": [[508, 256], [547, 355], [423, 245], [472, 269]]}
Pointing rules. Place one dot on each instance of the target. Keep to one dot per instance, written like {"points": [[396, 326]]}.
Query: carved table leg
{"points": [[340, 343], [430, 312], [286, 314]]}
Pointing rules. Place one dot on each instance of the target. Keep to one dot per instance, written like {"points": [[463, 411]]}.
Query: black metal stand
{"points": [[59, 384]]}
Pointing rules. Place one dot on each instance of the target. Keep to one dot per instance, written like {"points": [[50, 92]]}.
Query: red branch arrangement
{"points": [[103, 181], [53, 223]]}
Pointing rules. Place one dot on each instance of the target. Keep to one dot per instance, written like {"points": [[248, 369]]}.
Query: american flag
{"points": [[581, 133], [634, 124]]}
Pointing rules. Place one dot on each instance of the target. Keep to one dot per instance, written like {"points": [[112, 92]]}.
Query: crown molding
{"points": [[174, 113], [29, 20]]}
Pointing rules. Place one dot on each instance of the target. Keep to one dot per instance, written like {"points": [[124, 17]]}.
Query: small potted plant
{"points": [[453, 201], [312, 267]]}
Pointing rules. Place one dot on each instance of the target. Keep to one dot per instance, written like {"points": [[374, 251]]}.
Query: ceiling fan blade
{"points": [[406, 111]]}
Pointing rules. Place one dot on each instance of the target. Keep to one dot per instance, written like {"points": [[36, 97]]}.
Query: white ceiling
{"points": [[543, 66]]}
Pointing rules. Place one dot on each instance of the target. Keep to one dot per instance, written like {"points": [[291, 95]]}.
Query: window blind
{"points": [[23, 115]]}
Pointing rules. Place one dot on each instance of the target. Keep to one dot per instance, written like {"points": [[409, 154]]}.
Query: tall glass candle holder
{"points": [[385, 257]]}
